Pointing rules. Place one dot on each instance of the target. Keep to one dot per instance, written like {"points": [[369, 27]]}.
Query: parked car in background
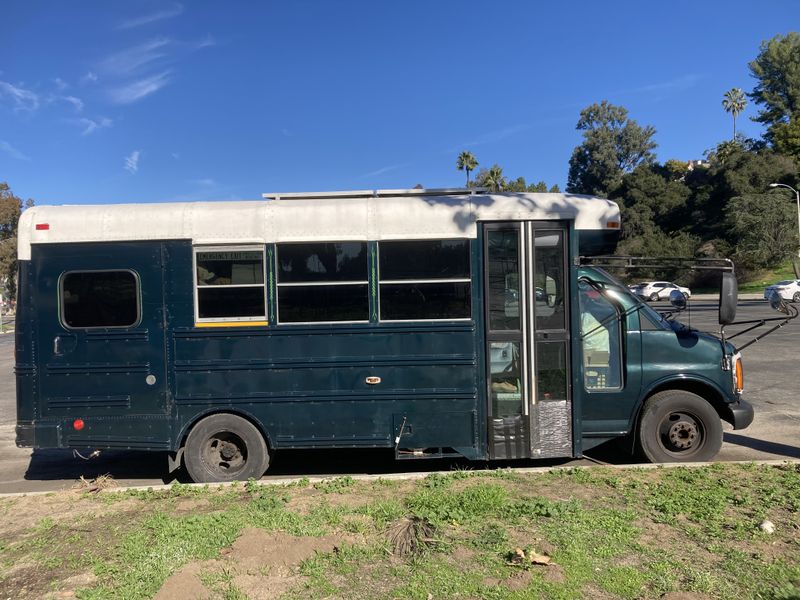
{"points": [[788, 290], [658, 290]]}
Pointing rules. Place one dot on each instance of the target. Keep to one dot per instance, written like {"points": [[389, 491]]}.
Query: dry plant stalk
{"points": [[95, 485], [410, 535]]}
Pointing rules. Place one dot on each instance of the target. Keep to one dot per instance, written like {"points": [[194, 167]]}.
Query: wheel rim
{"points": [[681, 434], [796, 297], [653, 297], [224, 454]]}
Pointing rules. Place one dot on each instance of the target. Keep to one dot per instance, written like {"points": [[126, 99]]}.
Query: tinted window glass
{"points": [[503, 280], [415, 301], [230, 302], [230, 284], [344, 261], [319, 303], [100, 299], [230, 268], [549, 280], [425, 259]]}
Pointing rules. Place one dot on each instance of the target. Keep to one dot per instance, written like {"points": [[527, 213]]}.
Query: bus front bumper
{"points": [[740, 414]]}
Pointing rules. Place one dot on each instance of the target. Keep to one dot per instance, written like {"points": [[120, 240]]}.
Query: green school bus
{"points": [[433, 322]]}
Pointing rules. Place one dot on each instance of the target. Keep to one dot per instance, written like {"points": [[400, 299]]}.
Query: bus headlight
{"points": [[738, 374]]}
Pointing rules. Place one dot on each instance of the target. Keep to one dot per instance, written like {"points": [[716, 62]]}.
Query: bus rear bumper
{"points": [[741, 414], [31, 434], [26, 436]]}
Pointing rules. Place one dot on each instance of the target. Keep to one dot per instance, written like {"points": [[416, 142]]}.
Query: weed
{"points": [[339, 485]]}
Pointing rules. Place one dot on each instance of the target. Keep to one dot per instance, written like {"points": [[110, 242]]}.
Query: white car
{"points": [[658, 290], [788, 290]]}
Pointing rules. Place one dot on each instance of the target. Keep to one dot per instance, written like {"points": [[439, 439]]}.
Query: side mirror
{"points": [[551, 300], [778, 303], [677, 299], [728, 298]]}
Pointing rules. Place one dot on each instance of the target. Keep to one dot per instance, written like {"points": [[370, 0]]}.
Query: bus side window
{"points": [[99, 299], [229, 284], [323, 282], [424, 280], [600, 336]]}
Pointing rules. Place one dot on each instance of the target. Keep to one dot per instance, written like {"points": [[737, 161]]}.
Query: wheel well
{"points": [[238, 413], [705, 391]]}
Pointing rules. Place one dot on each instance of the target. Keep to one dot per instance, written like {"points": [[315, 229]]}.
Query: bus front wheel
{"points": [[678, 426], [225, 447]]}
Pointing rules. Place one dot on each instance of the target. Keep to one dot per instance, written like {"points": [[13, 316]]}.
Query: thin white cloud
{"points": [[206, 42], [76, 102], [90, 77], [21, 98], [132, 60], [679, 84], [382, 170], [167, 13], [176, 156], [142, 88], [60, 84], [11, 151], [497, 135], [208, 182], [92, 125], [132, 162]]}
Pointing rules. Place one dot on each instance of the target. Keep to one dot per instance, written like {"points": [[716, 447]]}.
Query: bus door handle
{"points": [[62, 344]]}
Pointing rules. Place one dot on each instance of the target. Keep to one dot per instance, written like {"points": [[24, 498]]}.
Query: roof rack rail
{"points": [[374, 193], [655, 262]]}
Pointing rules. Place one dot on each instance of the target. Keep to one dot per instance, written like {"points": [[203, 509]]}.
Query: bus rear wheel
{"points": [[678, 426], [225, 447]]}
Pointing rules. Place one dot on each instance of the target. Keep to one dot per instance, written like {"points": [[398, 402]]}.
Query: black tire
{"points": [[678, 426], [796, 297], [225, 447], [653, 296]]}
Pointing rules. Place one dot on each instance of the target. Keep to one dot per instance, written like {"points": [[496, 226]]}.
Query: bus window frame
{"points": [[278, 284], [210, 321], [468, 280], [137, 281]]}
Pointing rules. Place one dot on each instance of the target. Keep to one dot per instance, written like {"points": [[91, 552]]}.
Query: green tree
{"points": [[786, 137], [466, 162], [613, 145], [734, 102], [764, 226], [10, 210], [492, 179], [777, 71]]}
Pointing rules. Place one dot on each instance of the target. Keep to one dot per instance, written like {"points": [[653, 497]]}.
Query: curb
{"points": [[411, 476]]}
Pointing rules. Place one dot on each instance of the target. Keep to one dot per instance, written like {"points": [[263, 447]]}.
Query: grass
{"points": [[612, 534], [759, 281]]}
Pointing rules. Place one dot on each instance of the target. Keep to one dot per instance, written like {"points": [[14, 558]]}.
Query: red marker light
{"points": [[42, 226], [78, 424]]}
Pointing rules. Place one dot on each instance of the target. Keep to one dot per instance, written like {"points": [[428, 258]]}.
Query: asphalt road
{"points": [[770, 368]]}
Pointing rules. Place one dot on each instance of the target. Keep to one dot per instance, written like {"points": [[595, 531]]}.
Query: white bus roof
{"points": [[325, 216]]}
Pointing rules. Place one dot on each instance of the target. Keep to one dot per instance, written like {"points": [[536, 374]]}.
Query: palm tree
{"points": [[734, 103], [494, 179], [466, 162]]}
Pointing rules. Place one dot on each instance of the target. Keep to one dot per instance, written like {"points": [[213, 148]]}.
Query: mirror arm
{"points": [[771, 329], [756, 326]]}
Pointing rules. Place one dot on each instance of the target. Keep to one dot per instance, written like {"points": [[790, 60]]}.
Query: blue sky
{"points": [[154, 101]]}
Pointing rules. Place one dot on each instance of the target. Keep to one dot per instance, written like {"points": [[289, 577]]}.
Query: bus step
{"points": [[410, 453]]}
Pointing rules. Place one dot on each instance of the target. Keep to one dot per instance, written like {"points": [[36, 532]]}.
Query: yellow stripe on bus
{"points": [[233, 324]]}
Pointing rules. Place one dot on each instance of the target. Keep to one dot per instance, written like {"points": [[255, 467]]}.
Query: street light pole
{"points": [[797, 196]]}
